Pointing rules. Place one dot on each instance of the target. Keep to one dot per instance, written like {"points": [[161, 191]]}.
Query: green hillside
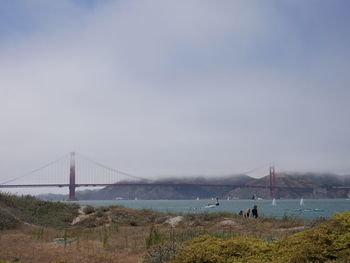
{"points": [[16, 210]]}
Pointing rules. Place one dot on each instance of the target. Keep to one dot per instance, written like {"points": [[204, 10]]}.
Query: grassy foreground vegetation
{"points": [[34, 211], [328, 242], [36, 231]]}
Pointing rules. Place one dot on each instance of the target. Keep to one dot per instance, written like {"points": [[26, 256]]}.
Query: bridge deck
{"points": [[158, 184]]}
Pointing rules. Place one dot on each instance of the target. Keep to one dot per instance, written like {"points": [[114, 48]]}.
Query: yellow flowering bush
{"points": [[328, 242], [205, 249]]}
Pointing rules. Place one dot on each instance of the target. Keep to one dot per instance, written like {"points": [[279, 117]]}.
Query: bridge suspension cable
{"points": [[50, 164], [255, 169], [113, 170], [87, 171]]}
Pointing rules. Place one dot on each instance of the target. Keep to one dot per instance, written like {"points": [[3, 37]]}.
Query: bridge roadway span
{"points": [[159, 184]]}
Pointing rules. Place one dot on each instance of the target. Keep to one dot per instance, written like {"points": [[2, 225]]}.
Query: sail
{"points": [[274, 202]]}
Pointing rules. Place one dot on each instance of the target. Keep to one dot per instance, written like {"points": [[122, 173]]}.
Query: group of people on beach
{"points": [[248, 212]]}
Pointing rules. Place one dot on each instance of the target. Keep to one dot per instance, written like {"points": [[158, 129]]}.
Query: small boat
{"points": [[211, 205], [197, 198], [274, 202], [255, 197], [302, 202]]}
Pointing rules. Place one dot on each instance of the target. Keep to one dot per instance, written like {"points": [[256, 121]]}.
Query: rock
{"points": [[61, 241], [228, 222], [174, 220]]}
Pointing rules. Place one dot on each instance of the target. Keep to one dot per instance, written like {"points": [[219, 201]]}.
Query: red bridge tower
{"points": [[72, 177], [272, 182]]}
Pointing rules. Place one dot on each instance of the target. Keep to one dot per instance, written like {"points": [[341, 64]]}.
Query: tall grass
{"points": [[34, 211], [8, 221]]}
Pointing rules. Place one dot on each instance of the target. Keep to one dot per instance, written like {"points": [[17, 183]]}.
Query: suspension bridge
{"points": [[76, 170]]}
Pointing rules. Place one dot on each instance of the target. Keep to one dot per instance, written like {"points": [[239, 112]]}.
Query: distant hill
{"points": [[321, 183], [167, 192]]}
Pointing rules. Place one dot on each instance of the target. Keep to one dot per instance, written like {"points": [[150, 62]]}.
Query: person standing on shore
{"points": [[255, 211]]}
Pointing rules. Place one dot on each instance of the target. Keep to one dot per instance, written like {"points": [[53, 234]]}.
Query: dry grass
{"points": [[119, 235], [125, 246]]}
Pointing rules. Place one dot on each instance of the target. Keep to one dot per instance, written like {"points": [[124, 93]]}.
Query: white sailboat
{"points": [[302, 202], [274, 202]]}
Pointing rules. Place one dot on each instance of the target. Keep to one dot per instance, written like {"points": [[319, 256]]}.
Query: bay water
{"points": [[312, 208]]}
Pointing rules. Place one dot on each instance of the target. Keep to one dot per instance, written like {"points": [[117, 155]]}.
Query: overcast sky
{"points": [[158, 88]]}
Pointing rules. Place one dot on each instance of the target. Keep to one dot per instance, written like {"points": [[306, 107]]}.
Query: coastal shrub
{"points": [[88, 210], [154, 237], [162, 253], [7, 221], [318, 221], [104, 208], [127, 216], [99, 213], [328, 242], [205, 249], [133, 222], [38, 212]]}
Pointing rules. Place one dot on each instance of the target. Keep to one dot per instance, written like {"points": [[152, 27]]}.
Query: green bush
{"points": [[99, 213], [328, 242], [38, 212], [88, 210], [161, 253], [154, 237], [205, 249], [7, 221]]}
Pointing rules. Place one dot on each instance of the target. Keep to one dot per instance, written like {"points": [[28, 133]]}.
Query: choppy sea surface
{"points": [[312, 208]]}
